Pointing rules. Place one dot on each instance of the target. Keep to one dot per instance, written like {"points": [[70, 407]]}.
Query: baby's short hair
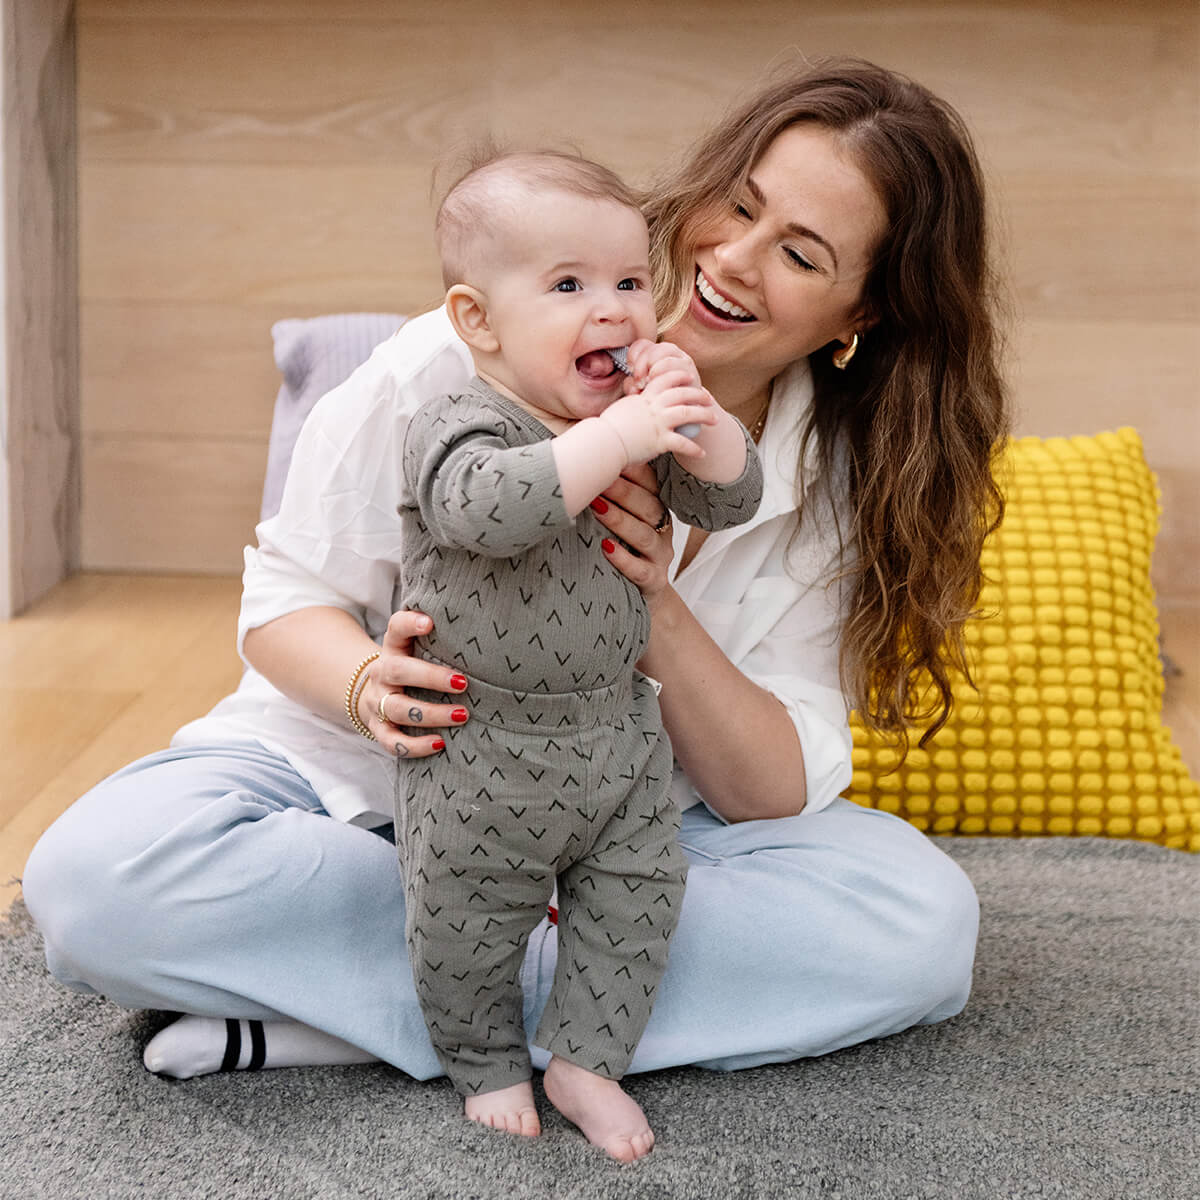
{"points": [[490, 190]]}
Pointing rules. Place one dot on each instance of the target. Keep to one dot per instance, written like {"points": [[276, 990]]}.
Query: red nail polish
{"points": [[458, 716], [598, 505], [458, 683], [608, 545], [438, 744]]}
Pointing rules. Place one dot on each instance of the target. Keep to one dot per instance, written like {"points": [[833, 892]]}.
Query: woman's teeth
{"points": [[715, 300]]}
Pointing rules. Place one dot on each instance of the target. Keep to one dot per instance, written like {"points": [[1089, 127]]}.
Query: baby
{"points": [[561, 775]]}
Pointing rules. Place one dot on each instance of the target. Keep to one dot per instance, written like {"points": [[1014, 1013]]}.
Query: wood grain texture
{"points": [[190, 370], [169, 504], [265, 158], [40, 401], [121, 661]]}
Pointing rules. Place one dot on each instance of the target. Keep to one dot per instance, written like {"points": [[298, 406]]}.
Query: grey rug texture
{"points": [[1073, 1072]]}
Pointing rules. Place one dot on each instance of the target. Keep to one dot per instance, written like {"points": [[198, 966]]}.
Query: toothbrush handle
{"points": [[688, 431]]}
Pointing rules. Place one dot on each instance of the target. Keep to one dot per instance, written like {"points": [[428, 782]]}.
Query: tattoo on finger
{"points": [[415, 715], [402, 751]]}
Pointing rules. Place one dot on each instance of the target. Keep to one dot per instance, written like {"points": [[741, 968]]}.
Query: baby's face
{"points": [[574, 282]]}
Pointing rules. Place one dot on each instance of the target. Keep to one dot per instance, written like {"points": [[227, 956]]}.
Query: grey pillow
{"points": [[314, 355]]}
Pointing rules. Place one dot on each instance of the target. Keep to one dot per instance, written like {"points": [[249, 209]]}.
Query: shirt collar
{"points": [[779, 449]]}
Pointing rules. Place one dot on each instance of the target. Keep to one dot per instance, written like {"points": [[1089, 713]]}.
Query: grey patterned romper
{"points": [[561, 774]]}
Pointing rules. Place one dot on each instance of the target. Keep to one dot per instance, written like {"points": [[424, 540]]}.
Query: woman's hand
{"points": [[630, 509], [386, 695]]}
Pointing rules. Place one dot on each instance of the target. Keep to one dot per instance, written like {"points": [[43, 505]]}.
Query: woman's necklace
{"points": [[760, 422]]}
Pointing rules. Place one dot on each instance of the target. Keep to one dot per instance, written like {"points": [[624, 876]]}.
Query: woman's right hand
{"points": [[398, 669]]}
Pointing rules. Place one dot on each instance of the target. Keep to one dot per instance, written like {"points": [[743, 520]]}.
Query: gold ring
{"points": [[664, 522], [382, 715]]}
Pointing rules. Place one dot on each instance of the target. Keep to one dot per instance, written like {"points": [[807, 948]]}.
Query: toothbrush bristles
{"points": [[620, 356]]}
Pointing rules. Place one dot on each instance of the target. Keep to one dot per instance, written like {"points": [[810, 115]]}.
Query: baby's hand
{"points": [[648, 422], [656, 360]]}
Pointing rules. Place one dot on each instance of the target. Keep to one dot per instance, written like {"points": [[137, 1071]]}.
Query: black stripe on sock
{"points": [[233, 1045], [258, 1047]]}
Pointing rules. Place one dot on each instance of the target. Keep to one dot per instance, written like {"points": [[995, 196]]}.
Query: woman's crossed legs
{"points": [[209, 881]]}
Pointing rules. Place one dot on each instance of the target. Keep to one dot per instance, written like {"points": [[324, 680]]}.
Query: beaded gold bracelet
{"points": [[354, 688]]}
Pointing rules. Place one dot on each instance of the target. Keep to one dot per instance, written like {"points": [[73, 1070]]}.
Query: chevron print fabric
{"points": [[562, 773], [585, 805]]}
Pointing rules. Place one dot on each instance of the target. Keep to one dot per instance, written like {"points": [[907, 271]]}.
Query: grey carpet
{"points": [[1072, 1073]]}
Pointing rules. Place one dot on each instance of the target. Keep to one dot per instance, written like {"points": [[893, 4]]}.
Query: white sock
{"points": [[201, 1045]]}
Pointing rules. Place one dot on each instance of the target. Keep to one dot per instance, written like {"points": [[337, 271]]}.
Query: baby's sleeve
{"points": [[474, 491], [708, 505]]}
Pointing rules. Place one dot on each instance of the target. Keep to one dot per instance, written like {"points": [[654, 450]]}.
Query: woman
{"points": [[822, 258]]}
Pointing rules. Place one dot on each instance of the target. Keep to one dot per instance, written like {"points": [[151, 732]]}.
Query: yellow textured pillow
{"points": [[1065, 734]]}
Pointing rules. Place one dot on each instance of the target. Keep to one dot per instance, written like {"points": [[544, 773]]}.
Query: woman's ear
{"points": [[467, 309], [864, 319]]}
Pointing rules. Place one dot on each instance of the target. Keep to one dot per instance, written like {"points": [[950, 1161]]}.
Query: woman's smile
{"points": [[768, 287], [720, 304]]}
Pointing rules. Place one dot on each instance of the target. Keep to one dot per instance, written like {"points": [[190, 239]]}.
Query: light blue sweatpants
{"points": [[211, 881]]}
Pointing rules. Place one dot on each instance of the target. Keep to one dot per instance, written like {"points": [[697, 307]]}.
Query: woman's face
{"points": [[782, 273]]}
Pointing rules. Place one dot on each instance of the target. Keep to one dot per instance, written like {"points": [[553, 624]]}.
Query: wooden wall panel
{"points": [[39, 331], [207, 368], [256, 235], [170, 504], [244, 161]]}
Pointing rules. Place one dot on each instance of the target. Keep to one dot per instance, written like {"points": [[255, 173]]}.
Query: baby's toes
{"points": [[627, 1149], [641, 1144], [518, 1122]]}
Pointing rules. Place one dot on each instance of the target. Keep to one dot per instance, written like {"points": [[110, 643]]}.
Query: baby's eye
{"points": [[567, 285], [629, 285]]}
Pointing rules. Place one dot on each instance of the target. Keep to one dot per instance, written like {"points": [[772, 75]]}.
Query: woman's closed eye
{"points": [[799, 260], [744, 212]]}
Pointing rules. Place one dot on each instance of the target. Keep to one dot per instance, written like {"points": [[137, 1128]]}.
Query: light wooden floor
{"points": [[108, 666], [102, 671]]}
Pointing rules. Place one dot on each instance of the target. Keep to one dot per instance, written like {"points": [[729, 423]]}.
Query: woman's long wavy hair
{"points": [[920, 412]]}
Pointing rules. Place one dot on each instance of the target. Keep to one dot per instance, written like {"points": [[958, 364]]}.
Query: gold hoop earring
{"points": [[842, 357]]}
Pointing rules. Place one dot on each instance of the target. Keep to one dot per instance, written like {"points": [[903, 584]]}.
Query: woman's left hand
{"points": [[630, 509]]}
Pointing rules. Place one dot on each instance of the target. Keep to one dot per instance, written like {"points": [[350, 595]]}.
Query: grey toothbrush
{"points": [[620, 356]]}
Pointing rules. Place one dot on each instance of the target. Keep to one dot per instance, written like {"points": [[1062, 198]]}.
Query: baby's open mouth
{"points": [[596, 365]]}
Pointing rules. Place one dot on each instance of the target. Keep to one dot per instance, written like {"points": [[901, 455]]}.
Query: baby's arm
{"points": [[474, 491]]}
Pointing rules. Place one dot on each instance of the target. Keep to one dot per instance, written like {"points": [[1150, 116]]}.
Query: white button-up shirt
{"points": [[766, 594]]}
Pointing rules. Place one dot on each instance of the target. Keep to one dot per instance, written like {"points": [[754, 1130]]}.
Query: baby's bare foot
{"points": [[509, 1109], [606, 1115]]}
